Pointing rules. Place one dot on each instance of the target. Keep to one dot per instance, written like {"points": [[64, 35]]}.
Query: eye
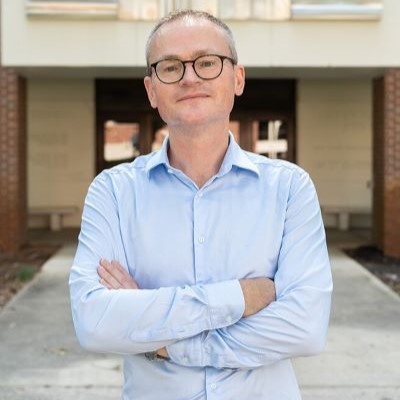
{"points": [[170, 66], [206, 63]]}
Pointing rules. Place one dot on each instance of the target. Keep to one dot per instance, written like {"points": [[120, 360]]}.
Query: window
{"points": [[70, 9], [334, 9], [240, 9], [141, 10], [255, 9], [121, 141], [75, 1], [265, 10], [270, 138]]}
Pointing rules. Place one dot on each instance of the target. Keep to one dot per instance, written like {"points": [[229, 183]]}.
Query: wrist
{"points": [[155, 356], [158, 355]]}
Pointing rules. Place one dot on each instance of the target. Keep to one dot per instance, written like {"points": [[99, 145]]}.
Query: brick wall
{"points": [[387, 163], [13, 194], [378, 161]]}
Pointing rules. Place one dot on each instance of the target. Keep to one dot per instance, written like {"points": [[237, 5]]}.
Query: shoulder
{"points": [[284, 176], [124, 170], [122, 175], [269, 166]]}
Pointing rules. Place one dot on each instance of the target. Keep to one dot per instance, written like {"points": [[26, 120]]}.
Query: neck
{"points": [[198, 153]]}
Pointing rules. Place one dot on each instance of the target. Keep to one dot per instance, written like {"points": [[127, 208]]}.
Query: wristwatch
{"points": [[154, 356]]}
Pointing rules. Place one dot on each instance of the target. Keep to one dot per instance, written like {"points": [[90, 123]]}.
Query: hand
{"points": [[258, 293], [114, 276], [163, 352]]}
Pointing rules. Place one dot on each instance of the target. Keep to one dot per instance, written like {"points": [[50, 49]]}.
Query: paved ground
{"points": [[41, 360], [362, 357]]}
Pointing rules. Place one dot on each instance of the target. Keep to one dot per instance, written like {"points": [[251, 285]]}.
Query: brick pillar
{"points": [[387, 163], [13, 193]]}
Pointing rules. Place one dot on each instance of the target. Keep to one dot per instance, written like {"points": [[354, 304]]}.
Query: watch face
{"points": [[153, 356]]}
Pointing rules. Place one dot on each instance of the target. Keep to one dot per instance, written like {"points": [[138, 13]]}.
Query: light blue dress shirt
{"points": [[187, 247]]}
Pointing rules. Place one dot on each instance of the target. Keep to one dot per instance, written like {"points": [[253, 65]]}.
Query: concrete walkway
{"points": [[41, 359]]}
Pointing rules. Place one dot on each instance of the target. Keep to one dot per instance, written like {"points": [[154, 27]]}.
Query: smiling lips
{"points": [[193, 96]]}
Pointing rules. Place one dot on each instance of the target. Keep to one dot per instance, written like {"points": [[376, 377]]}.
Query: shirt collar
{"points": [[234, 156], [160, 157]]}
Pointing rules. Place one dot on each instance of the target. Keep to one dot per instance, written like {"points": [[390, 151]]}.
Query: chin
{"points": [[191, 120]]}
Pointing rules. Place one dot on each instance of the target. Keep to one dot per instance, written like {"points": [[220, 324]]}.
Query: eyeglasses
{"points": [[206, 67]]}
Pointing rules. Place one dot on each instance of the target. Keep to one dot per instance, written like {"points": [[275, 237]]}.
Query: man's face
{"points": [[192, 100]]}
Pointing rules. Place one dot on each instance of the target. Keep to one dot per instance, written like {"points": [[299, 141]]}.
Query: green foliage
{"points": [[26, 273]]}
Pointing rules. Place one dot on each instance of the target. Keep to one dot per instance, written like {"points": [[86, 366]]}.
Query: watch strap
{"points": [[154, 356]]}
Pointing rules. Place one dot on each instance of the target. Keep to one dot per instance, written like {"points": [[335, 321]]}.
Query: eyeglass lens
{"points": [[206, 67]]}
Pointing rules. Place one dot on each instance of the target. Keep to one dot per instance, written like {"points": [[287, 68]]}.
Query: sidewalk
{"points": [[41, 359]]}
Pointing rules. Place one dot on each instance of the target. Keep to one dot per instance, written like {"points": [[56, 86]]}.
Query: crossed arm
{"points": [[212, 330], [258, 293]]}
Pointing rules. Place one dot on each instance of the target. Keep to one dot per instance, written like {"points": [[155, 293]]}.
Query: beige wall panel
{"points": [[58, 42], [61, 143], [334, 128], [52, 42]]}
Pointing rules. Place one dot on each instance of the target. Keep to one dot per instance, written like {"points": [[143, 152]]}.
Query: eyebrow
{"points": [[194, 55]]}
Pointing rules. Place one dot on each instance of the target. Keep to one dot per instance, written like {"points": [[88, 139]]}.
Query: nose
{"points": [[189, 74]]}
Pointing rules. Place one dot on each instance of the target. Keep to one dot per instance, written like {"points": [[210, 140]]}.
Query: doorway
{"points": [[262, 121], [125, 122], [264, 118]]}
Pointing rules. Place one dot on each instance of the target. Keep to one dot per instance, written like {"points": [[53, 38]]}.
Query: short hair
{"points": [[194, 14]]}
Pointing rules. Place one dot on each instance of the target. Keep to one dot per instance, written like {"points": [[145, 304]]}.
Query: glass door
{"points": [[121, 141], [271, 138], [269, 134], [122, 138]]}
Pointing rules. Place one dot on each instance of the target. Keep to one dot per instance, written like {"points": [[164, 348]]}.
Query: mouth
{"points": [[193, 96]]}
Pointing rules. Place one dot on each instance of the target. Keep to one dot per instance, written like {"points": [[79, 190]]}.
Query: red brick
{"points": [[387, 163], [13, 191]]}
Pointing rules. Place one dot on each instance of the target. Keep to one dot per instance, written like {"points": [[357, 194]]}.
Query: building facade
{"points": [[323, 90]]}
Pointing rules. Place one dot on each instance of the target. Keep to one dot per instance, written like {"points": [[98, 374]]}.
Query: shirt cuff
{"points": [[226, 303]]}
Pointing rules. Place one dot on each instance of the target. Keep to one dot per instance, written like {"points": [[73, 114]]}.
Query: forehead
{"points": [[189, 37]]}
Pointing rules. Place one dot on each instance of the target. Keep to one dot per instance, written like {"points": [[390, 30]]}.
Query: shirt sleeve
{"points": [[296, 323], [129, 321]]}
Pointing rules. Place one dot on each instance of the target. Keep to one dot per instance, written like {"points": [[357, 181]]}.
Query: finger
{"points": [[108, 278], [129, 283], [116, 265], [113, 273], [105, 264], [117, 272], [104, 283], [114, 269], [103, 277], [122, 276]]}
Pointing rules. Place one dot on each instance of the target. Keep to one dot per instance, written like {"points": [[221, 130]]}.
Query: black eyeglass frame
{"points": [[222, 58]]}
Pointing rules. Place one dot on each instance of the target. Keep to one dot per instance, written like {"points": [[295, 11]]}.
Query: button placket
{"points": [[199, 235]]}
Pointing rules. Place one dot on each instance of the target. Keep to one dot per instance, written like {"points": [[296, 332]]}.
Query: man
{"points": [[213, 268]]}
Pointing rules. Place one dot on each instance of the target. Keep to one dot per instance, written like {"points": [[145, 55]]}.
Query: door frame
{"points": [[246, 118]]}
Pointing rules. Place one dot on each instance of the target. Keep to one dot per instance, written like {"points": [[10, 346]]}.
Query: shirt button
{"points": [[169, 171], [228, 319], [201, 239], [200, 194], [213, 386]]}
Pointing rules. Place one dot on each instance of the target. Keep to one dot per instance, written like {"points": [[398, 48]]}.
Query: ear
{"points": [[239, 79], [148, 84]]}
